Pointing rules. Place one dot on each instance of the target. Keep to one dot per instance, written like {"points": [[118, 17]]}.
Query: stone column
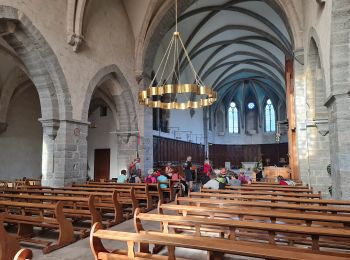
{"points": [[145, 118], [338, 103], [300, 114], [64, 158]]}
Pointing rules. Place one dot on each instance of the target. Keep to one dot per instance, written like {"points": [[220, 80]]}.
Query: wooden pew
{"points": [[170, 189], [9, 246], [141, 190], [264, 192], [125, 196], [141, 195], [29, 215], [272, 233], [23, 254], [257, 184], [266, 205], [309, 219], [73, 207], [297, 183], [215, 247], [104, 201], [271, 189], [321, 202]]}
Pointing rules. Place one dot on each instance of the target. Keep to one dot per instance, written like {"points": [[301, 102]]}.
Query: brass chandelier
{"points": [[176, 95]]}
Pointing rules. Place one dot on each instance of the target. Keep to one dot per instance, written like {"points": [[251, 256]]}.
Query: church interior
{"points": [[175, 129]]}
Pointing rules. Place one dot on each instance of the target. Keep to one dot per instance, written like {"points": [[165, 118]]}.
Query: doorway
{"points": [[102, 164]]}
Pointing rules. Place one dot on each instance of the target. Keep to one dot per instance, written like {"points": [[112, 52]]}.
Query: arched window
{"points": [[270, 117], [233, 119]]}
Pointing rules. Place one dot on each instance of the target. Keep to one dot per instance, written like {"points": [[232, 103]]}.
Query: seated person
{"points": [[150, 178], [122, 177], [138, 178], [244, 179], [234, 181], [285, 182], [163, 178], [213, 183]]}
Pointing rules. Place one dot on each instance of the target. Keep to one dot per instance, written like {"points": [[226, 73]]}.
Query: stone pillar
{"points": [[300, 115], [205, 131], [64, 157], [146, 130], [145, 119], [338, 103]]}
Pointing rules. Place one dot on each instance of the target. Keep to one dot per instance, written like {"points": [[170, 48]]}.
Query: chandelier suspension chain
{"points": [[195, 94]]}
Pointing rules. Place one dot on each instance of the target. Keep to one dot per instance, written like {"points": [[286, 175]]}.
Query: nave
{"points": [[263, 220]]}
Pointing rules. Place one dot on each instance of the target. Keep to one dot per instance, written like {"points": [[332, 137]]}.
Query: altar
{"points": [[271, 173], [249, 165]]}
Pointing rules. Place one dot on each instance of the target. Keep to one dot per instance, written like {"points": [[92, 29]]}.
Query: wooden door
{"points": [[101, 164]]}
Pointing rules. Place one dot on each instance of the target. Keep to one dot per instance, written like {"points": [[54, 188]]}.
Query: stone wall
{"points": [[21, 143]]}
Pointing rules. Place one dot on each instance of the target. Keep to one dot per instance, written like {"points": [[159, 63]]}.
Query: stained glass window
{"points": [[270, 117], [233, 126]]}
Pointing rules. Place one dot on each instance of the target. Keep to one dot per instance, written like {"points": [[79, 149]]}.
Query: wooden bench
{"points": [[272, 233], [321, 202], [170, 189], [141, 190], [271, 189], [105, 202], [297, 183], [10, 248], [73, 207], [215, 247], [256, 184], [309, 219], [266, 205], [23, 254], [29, 215], [265, 192]]}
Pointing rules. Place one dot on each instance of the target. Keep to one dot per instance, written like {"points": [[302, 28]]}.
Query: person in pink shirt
{"points": [[150, 178]]}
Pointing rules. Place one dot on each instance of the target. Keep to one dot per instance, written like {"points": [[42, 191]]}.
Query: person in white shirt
{"points": [[213, 183]]}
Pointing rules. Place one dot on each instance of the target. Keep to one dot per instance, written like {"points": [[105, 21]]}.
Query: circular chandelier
{"points": [[172, 93]]}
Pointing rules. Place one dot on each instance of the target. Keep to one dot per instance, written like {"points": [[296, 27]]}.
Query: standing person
{"points": [[169, 169], [207, 167], [188, 173], [122, 177]]}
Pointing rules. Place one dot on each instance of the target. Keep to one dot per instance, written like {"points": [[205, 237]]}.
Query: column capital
{"points": [[50, 127], [299, 56], [338, 95]]}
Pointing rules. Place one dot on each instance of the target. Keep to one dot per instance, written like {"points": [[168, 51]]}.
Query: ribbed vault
{"points": [[238, 47]]}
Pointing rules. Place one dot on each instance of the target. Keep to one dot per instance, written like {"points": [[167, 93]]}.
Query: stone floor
{"points": [[81, 248]]}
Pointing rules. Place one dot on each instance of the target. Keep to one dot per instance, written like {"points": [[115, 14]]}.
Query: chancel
{"points": [[174, 129]]}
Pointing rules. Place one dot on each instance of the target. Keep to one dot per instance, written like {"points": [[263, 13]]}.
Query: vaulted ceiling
{"points": [[238, 47]]}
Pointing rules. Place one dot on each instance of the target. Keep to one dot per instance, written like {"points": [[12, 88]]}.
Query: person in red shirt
{"points": [[207, 169]]}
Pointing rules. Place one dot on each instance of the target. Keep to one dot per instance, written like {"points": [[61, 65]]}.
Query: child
{"points": [[122, 177]]}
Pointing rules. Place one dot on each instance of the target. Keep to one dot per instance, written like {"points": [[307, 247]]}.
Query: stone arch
{"points": [[40, 62], [316, 87], [120, 101], [129, 104], [316, 113]]}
